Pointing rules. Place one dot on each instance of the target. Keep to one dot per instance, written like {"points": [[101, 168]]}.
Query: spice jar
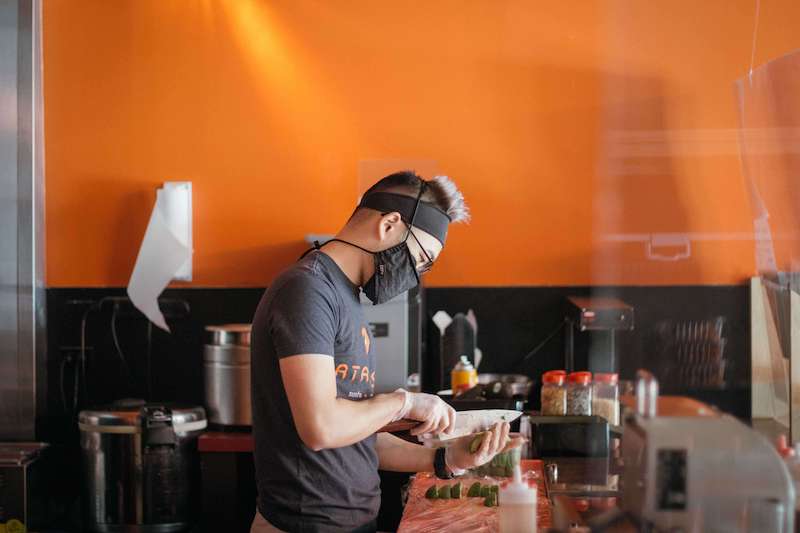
{"points": [[579, 393], [554, 393], [605, 397]]}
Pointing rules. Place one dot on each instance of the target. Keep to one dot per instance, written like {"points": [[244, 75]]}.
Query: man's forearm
{"points": [[398, 455], [347, 422]]}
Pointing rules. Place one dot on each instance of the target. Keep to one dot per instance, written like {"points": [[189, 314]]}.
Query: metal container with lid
{"points": [[226, 364], [141, 466]]}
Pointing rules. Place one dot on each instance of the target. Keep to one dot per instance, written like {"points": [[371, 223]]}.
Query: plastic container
{"points": [[554, 393], [517, 506], [783, 448], [605, 397], [501, 465], [463, 376], [579, 393], [793, 462], [792, 459]]}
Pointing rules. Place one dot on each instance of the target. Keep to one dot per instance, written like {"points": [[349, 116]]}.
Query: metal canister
{"points": [[226, 365], [463, 376], [141, 468]]}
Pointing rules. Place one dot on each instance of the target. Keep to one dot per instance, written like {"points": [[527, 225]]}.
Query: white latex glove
{"points": [[433, 413], [458, 457]]}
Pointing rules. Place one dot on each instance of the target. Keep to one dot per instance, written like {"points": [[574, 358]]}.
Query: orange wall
{"points": [[537, 109]]}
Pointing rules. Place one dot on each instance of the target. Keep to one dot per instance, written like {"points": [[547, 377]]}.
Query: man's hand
{"points": [[434, 413], [459, 457]]}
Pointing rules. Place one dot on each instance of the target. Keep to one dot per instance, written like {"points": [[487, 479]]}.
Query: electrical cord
{"points": [[149, 376], [115, 338], [540, 345], [80, 364], [95, 306], [61, 366]]}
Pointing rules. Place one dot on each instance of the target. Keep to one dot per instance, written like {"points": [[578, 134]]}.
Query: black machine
{"points": [[23, 483], [601, 314]]}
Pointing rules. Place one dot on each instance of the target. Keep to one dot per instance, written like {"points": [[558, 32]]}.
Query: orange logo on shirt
{"points": [[355, 374], [366, 339]]}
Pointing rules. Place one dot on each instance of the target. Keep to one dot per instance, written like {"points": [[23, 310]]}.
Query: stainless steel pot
{"points": [[226, 361], [141, 467], [515, 384]]}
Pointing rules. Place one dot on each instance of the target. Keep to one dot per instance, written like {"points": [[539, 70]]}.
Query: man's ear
{"points": [[390, 223]]}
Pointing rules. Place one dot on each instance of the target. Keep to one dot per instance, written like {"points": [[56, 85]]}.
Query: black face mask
{"points": [[395, 273]]}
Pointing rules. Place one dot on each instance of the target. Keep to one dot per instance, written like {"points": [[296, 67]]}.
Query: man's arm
{"points": [[323, 420], [398, 455]]}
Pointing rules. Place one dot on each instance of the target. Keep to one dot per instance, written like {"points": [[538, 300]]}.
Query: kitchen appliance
{"points": [[396, 338], [690, 353], [226, 365], [603, 317], [493, 391], [505, 385], [701, 473], [23, 486], [141, 466], [566, 436]]}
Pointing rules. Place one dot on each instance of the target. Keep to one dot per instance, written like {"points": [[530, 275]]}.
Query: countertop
{"points": [[226, 441], [585, 486]]}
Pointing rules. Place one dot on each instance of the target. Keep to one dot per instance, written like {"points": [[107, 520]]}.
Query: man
{"points": [[315, 414]]}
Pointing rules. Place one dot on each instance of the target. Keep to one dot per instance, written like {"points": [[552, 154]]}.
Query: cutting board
{"points": [[422, 515]]}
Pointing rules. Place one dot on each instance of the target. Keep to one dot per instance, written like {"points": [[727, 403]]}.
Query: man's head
{"points": [[384, 217]]}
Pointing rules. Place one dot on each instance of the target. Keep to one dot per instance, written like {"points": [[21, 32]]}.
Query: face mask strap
{"points": [[318, 246], [412, 209], [422, 186]]}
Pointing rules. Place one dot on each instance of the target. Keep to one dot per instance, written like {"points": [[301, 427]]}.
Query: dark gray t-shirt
{"points": [[312, 308]]}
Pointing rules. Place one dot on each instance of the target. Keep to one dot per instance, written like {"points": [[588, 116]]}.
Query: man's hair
{"points": [[441, 192]]}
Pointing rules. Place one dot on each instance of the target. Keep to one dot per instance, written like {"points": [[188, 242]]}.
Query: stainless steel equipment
{"points": [[396, 337], [504, 385], [701, 473], [23, 485], [226, 362], [23, 340], [141, 467], [493, 391]]}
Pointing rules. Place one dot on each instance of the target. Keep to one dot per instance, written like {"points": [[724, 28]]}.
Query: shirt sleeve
{"points": [[303, 318]]}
